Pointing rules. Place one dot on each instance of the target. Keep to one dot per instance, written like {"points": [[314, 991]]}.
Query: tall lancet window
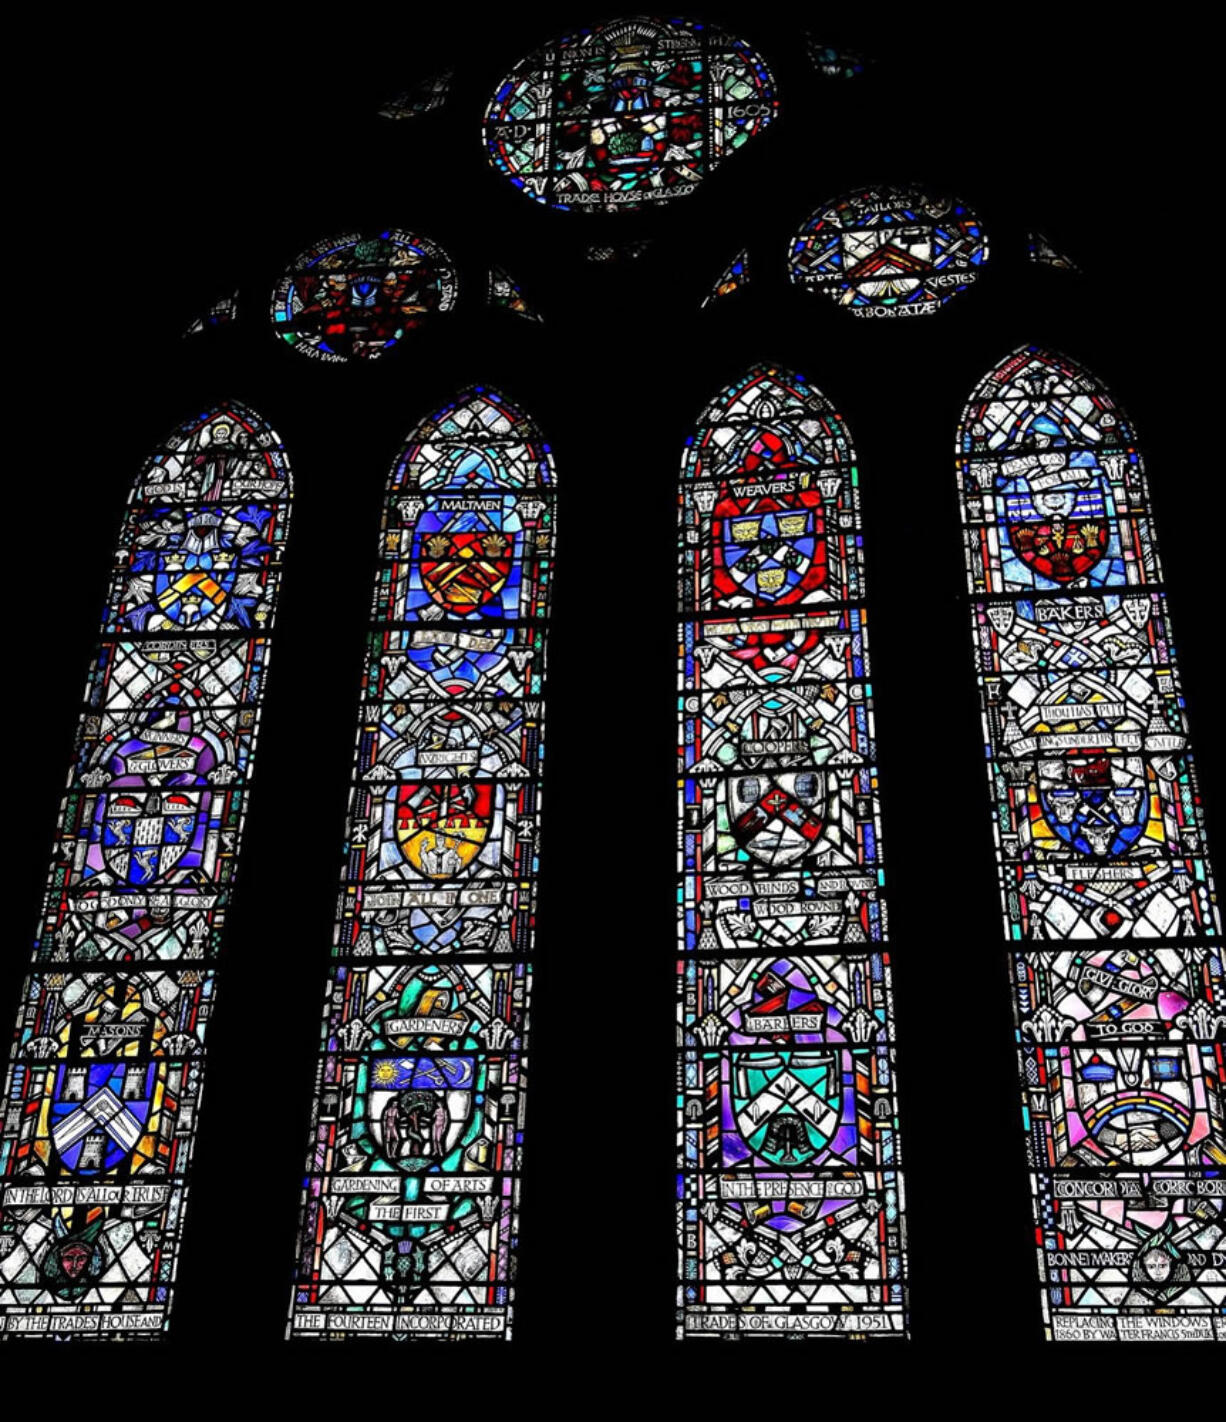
{"points": [[409, 1213], [790, 1208], [1106, 890], [103, 1088]]}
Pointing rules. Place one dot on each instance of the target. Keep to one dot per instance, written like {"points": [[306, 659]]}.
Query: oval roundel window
{"points": [[354, 297], [889, 251], [632, 112]]}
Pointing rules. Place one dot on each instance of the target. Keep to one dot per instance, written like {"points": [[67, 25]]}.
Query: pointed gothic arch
{"points": [[103, 1088], [411, 1202], [789, 1198], [1106, 888]]}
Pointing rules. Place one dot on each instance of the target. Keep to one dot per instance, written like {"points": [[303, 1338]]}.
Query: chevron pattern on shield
{"points": [[790, 1199], [410, 1211], [1107, 894], [104, 1086]]}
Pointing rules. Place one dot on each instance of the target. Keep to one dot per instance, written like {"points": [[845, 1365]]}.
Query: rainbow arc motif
{"points": [[1107, 892]]}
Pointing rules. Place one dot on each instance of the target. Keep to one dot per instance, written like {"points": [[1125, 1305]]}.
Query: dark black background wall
{"points": [[167, 161]]}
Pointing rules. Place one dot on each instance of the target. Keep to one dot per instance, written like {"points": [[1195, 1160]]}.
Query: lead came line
{"points": [[104, 1084], [1106, 888], [789, 1196], [411, 1201]]}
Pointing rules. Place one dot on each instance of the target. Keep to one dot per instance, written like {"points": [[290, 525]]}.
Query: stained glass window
{"points": [[410, 1208], [733, 277], [355, 297], [889, 251], [833, 61], [1043, 254], [505, 293], [610, 252], [790, 1202], [221, 313], [420, 98], [103, 1087], [1106, 888], [632, 112]]}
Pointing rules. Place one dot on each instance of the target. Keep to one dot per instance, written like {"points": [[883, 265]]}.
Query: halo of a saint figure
{"points": [[354, 296], [625, 114], [889, 251]]}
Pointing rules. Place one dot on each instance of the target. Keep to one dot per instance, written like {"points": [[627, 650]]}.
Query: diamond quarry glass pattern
{"points": [[1107, 894], [789, 1192], [411, 1200], [103, 1089]]}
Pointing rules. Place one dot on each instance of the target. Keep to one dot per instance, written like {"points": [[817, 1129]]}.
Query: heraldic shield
{"points": [[441, 827], [364, 303], [772, 547], [99, 1113], [145, 835], [787, 1104], [420, 1107], [194, 580], [466, 559], [1097, 804], [1061, 534], [777, 818], [885, 262]]}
